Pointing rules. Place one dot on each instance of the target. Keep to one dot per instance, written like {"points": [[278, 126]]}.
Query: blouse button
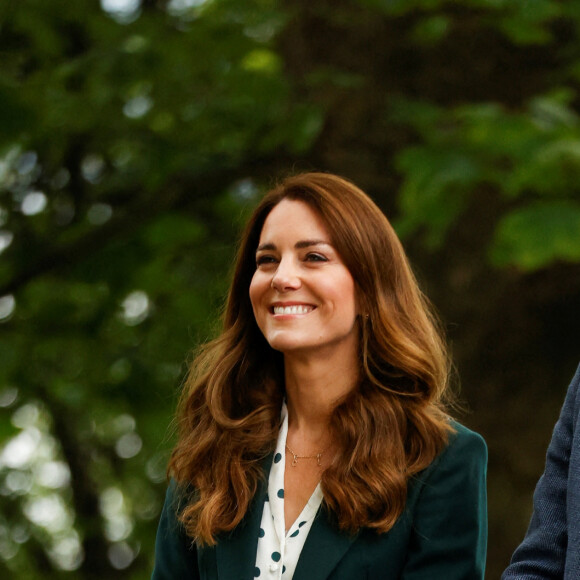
{"points": [[274, 567]]}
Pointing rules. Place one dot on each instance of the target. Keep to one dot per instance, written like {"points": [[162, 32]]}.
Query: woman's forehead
{"points": [[294, 218]]}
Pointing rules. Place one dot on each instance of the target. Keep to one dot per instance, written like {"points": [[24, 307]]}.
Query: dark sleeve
{"points": [[175, 555], [542, 554], [449, 537]]}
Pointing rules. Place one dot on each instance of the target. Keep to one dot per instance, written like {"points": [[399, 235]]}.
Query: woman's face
{"points": [[302, 294]]}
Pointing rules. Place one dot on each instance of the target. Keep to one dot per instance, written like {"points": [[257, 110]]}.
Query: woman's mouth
{"points": [[293, 309]]}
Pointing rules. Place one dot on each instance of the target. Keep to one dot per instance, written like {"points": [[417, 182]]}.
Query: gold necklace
{"points": [[296, 457]]}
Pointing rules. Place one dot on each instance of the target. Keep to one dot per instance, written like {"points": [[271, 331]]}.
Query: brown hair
{"points": [[390, 427]]}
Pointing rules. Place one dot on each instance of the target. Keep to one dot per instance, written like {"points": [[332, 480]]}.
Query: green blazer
{"points": [[442, 534]]}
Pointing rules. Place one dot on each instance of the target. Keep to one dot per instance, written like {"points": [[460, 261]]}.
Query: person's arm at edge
{"points": [[542, 553], [175, 557], [450, 519]]}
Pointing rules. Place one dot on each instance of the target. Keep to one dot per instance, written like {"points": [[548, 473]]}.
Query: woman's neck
{"points": [[313, 389]]}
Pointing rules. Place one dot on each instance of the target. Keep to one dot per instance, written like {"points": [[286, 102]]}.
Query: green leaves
{"points": [[537, 235], [435, 191], [525, 155]]}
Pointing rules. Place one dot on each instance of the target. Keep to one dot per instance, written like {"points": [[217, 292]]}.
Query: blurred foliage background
{"points": [[135, 135]]}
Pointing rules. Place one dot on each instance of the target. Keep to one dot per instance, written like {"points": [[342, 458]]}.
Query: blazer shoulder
{"points": [[464, 443], [463, 459], [463, 436]]}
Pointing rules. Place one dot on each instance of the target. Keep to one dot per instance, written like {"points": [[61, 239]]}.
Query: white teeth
{"points": [[295, 309]]}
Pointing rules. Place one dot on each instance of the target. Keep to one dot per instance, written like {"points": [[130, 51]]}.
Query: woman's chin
{"points": [[288, 344]]}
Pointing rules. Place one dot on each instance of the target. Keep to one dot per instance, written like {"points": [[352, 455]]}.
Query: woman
{"points": [[314, 442]]}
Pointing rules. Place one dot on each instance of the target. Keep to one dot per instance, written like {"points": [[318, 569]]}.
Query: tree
{"points": [[134, 137]]}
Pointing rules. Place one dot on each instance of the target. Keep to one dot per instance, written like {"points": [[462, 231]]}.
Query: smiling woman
{"points": [[302, 294], [314, 438]]}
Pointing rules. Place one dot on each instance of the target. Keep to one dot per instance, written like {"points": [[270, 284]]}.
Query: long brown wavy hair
{"points": [[390, 426]]}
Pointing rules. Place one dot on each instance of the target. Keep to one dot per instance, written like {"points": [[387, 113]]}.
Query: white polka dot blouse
{"points": [[278, 550]]}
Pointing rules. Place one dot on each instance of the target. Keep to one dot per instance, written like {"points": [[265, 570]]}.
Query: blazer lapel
{"points": [[236, 551], [324, 548]]}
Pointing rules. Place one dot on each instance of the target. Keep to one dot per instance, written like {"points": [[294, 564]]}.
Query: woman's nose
{"points": [[286, 276]]}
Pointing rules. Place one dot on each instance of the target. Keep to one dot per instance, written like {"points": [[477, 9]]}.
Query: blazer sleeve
{"points": [[175, 556], [449, 536], [542, 553]]}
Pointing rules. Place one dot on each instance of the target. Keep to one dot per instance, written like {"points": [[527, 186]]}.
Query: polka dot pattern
{"points": [[278, 548]]}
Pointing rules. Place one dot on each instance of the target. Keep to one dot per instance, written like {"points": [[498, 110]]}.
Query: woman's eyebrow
{"points": [[268, 246], [298, 245], [308, 243]]}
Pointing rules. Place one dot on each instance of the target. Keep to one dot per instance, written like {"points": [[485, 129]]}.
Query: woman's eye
{"points": [[266, 259], [313, 257]]}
